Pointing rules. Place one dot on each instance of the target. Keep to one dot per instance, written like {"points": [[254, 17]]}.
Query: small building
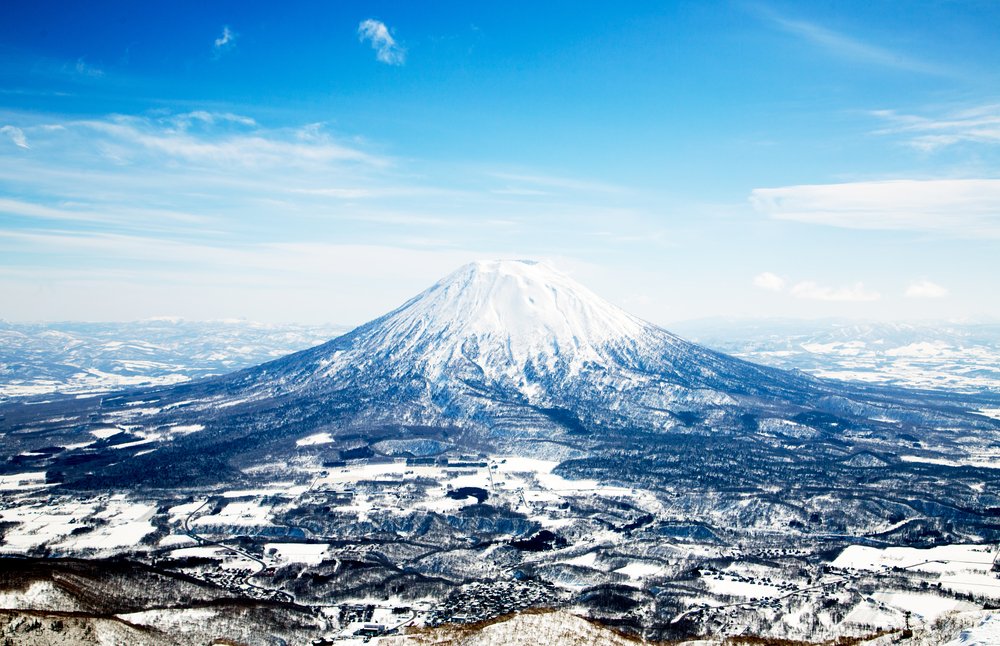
{"points": [[370, 630]]}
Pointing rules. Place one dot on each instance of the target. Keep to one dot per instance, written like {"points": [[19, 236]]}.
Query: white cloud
{"points": [[16, 135], [226, 41], [925, 289], [980, 124], [959, 207], [810, 290], [769, 281], [387, 50]]}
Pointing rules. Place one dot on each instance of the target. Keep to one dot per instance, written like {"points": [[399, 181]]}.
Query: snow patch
{"points": [[306, 553], [17, 481], [312, 440]]}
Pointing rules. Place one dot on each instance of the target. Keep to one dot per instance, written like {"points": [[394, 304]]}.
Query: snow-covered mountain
{"points": [[507, 334], [505, 317], [502, 355]]}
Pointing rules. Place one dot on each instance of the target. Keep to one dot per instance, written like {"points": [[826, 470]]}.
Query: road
{"points": [[271, 593]]}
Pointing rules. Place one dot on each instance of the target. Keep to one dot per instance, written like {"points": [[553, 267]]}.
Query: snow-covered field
{"points": [[962, 568], [20, 481], [102, 525], [926, 607], [984, 460], [728, 585], [238, 514], [307, 553]]}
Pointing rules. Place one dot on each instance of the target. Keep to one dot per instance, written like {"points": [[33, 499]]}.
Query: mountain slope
{"points": [[519, 333]]}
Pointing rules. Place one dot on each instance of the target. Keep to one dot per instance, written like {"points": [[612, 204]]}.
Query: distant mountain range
{"points": [[963, 357], [75, 357]]}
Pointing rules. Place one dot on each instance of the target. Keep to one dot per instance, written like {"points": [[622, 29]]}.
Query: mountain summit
{"points": [[503, 316], [513, 309]]}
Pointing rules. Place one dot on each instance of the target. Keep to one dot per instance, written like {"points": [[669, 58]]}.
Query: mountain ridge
{"points": [[529, 332]]}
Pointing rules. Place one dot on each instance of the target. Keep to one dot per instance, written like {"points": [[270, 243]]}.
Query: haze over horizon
{"points": [[326, 163]]}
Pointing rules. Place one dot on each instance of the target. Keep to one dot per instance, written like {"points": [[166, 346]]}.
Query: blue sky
{"points": [[324, 161]]}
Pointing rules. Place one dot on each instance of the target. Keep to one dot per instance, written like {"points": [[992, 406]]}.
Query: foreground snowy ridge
{"points": [[561, 628]]}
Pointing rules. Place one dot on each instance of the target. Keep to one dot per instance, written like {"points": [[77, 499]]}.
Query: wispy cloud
{"points": [[202, 199], [856, 293], [532, 184], [32, 73], [136, 217], [956, 207], [980, 124], [811, 290], [225, 42], [85, 69], [770, 282], [228, 172], [164, 173], [849, 47], [24, 209], [247, 149], [186, 119], [16, 135], [387, 50], [261, 280], [925, 289]]}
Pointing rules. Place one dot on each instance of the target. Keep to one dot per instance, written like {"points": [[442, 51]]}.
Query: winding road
{"points": [[276, 595]]}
